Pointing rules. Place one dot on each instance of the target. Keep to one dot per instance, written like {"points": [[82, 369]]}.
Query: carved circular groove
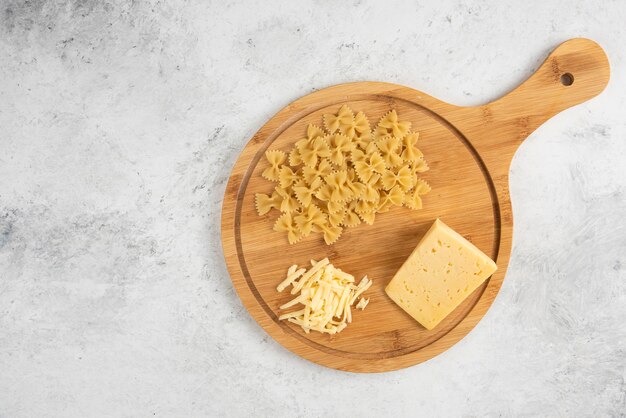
{"points": [[382, 337], [287, 327]]}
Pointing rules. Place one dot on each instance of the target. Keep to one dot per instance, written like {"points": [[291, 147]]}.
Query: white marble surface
{"points": [[120, 122]]}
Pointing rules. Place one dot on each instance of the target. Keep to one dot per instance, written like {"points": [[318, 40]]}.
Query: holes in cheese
{"points": [[441, 272], [326, 294]]}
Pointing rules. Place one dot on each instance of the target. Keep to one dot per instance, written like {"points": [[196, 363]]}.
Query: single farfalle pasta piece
{"points": [[347, 125], [369, 166], [310, 216], [410, 151], [265, 203], [322, 169], [362, 133], [343, 175], [331, 233], [340, 147], [311, 151], [393, 197], [402, 177], [357, 128], [304, 193], [289, 203], [312, 132], [389, 148], [286, 223], [287, 177], [390, 125], [344, 117], [275, 158], [338, 183], [413, 199]]}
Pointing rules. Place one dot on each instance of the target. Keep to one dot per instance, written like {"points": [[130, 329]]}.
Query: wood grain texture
{"points": [[469, 150]]}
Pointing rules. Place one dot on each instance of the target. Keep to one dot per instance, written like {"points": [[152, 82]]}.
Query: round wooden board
{"points": [[468, 151]]}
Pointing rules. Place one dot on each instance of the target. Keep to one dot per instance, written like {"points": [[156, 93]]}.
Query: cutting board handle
{"points": [[574, 72]]}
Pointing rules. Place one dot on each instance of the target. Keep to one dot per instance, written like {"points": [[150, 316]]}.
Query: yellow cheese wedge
{"points": [[441, 272]]}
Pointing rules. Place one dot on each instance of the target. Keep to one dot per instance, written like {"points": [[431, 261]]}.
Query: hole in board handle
{"points": [[567, 79]]}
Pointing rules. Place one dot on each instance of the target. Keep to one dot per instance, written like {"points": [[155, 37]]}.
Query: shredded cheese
{"points": [[326, 294], [362, 303], [292, 275]]}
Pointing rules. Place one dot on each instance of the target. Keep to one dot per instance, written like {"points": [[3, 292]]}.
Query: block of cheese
{"points": [[441, 272]]}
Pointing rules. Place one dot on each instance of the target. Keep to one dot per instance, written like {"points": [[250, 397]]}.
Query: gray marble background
{"points": [[119, 124]]}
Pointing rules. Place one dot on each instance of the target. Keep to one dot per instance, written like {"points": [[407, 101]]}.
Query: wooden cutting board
{"points": [[468, 149]]}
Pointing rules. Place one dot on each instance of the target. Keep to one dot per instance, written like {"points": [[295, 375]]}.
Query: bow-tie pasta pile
{"points": [[344, 174]]}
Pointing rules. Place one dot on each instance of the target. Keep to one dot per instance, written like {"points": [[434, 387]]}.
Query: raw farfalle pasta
{"points": [[402, 177], [419, 166], [294, 157], [351, 218], [336, 218], [308, 218], [322, 170], [324, 196], [305, 192], [342, 175], [344, 117], [286, 224], [389, 147], [289, 203], [389, 198], [389, 125], [312, 150], [287, 177], [331, 233], [340, 145], [370, 194], [359, 129], [275, 158], [368, 167], [366, 206], [265, 203], [339, 185], [413, 198], [368, 217], [411, 152]]}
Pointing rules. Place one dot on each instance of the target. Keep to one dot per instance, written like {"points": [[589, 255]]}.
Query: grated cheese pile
{"points": [[326, 295]]}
